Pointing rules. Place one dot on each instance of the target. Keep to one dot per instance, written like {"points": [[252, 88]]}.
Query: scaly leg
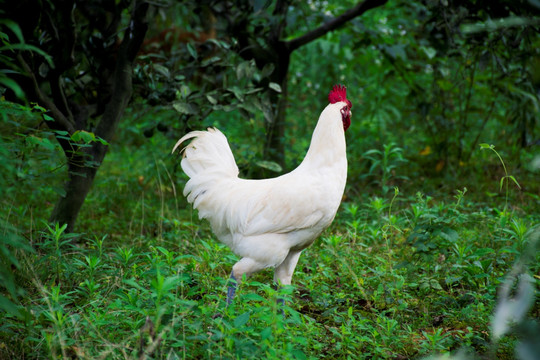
{"points": [[231, 290], [245, 266]]}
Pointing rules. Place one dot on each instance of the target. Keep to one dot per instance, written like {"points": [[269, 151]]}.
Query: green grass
{"points": [[398, 275]]}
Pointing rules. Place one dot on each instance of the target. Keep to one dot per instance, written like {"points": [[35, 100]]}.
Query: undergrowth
{"points": [[398, 275]]}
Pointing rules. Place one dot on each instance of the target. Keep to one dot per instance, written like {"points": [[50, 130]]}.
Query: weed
{"points": [[506, 178], [387, 161]]}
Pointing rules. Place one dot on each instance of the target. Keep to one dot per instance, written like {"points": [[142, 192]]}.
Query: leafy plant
{"points": [[12, 245], [12, 39], [515, 299], [385, 162], [505, 179]]}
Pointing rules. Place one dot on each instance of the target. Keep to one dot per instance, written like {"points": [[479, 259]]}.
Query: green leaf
{"points": [[434, 284], [452, 279], [185, 108], [48, 118], [11, 84], [135, 284], [298, 354], [162, 70], [59, 190], [13, 26], [192, 51], [372, 151], [243, 70], [238, 92], [267, 70], [251, 104], [275, 86], [27, 47], [210, 61], [219, 43], [429, 51], [170, 283], [486, 146], [514, 180], [241, 320], [266, 333], [449, 234], [101, 140], [396, 51], [34, 140], [9, 307], [270, 165], [83, 136], [212, 100], [46, 143], [185, 91]]}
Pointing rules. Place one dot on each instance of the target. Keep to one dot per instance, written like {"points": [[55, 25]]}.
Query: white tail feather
{"points": [[207, 159]]}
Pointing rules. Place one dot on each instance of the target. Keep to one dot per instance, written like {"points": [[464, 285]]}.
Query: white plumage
{"points": [[269, 222]]}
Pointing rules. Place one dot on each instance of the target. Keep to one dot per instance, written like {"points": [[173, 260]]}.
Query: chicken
{"points": [[269, 222]]}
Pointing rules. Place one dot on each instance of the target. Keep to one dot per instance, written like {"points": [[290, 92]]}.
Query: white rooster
{"points": [[269, 222]]}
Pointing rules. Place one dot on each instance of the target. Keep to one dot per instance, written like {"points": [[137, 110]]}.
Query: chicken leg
{"points": [[282, 275], [245, 266]]}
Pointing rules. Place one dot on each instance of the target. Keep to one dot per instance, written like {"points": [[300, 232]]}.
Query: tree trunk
{"points": [[84, 163], [76, 189], [274, 148]]}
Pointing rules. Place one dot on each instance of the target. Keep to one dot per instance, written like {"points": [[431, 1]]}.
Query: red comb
{"points": [[338, 93]]}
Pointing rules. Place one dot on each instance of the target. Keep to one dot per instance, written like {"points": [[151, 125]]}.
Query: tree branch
{"points": [[281, 12], [57, 115], [333, 24], [58, 94], [63, 39]]}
